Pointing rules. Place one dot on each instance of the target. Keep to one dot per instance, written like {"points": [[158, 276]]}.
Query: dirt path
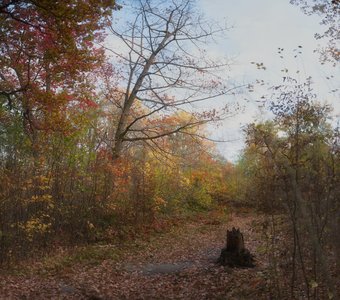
{"points": [[178, 265]]}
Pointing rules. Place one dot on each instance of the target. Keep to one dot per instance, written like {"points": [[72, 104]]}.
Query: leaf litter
{"points": [[180, 264]]}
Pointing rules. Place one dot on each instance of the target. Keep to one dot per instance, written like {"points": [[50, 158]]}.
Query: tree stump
{"points": [[234, 254]]}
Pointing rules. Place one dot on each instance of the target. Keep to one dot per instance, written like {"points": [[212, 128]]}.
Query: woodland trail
{"points": [[177, 265]]}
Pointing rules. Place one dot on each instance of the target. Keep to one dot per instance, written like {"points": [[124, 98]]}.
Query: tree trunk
{"points": [[235, 254]]}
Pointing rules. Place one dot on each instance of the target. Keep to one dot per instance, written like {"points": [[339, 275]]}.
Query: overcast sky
{"points": [[259, 28]]}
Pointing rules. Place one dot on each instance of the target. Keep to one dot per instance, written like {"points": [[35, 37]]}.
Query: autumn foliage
{"points": [[60, 108], [67, 189]]}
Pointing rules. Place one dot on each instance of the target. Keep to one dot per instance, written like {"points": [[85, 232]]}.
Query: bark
{"points": [[235, 254]]}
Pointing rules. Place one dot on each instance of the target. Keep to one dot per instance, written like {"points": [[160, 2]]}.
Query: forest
{"points": [[113, 182]]}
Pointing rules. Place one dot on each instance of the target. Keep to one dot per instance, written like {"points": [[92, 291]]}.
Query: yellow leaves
{"points": [[90, 225], [111, 206], [38, 190], [185, 181], [313, 284], [44, 198], [38, 182], [41, 198], [34, 199], [36, 226], [43, 179], [158, 203], [147, 169]]}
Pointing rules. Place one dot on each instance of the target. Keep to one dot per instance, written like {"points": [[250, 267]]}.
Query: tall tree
{"points": [[164, 68]]}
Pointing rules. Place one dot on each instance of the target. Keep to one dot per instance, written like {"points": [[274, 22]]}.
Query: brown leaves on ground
{"points": [[180, 264]]}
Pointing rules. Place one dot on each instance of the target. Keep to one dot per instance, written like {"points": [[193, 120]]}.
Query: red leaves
{"points": [[87, 104], [46, 50]]}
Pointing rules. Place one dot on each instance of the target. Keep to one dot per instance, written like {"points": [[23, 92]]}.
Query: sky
{"points": [[259, 28]]}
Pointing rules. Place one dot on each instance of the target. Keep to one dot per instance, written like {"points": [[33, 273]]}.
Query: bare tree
{"points": [[329, 11], [164, 69]]}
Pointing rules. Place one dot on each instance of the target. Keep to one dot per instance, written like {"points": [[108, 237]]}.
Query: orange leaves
{"points": [[120, 171], [158, 203], [120, 168]]}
